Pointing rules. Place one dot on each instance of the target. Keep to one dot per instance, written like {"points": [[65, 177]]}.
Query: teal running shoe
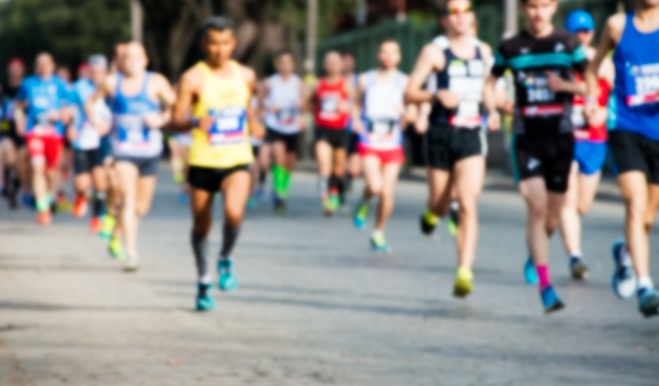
{"points": [[623, 281], [379, 243], [205, 301], [550, 300], [331, 204], [578, 269], [530, 274], [361, 215], [648, 302], [228, 281]]}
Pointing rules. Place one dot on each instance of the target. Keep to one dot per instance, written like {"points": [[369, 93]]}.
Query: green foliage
{"points": [[70, 29]]}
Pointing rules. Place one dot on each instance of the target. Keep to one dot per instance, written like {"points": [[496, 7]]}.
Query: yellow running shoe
{"points": [[116, 249], [463, 283], [107, 227]]}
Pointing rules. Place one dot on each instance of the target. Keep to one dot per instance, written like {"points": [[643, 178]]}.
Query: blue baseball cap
{"points": [[579, 20]]}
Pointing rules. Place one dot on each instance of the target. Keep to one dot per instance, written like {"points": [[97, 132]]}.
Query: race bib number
{"points": [[329, 106], [287, 117], [646, 82], [468, 113], [131, 131], [382, 133], [229, 126], [537, 89]]}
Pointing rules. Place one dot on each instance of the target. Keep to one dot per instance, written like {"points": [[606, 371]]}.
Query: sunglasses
{"points": [[453, 10]]}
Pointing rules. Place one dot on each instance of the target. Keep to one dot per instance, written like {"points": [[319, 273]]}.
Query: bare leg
{"points": [[469, 177]]}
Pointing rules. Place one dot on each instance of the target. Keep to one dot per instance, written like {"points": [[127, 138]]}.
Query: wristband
{"points": [[195, 122]]}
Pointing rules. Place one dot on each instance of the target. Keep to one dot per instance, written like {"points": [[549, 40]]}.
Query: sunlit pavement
{"points": [[314, 306]]}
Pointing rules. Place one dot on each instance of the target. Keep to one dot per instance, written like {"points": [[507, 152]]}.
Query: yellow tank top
{"points": [[227, 144]]}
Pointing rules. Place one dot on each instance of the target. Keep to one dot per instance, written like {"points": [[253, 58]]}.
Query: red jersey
{"points": [[583, 131], [329, 97]]}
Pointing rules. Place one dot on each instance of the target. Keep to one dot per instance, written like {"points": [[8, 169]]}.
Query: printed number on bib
{"points": [[329, 106], [382, 134], [229, 126], [537, 89], [287, 116], [646, 81], [132, 132]]}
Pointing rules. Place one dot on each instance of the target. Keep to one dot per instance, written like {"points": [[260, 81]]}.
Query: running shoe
{"points": [[252, 203], [453, 222], [227, 280], [623, 281], [183, 198], [178, 178], [280, 206], [205, 301], [80, 207], [648, 302], [428, 223], [44, 218], [28, 200], [331, 204], [116, 249], [361, 215], [131, 267], [550, 300], [578, 269], [107, 227], [530, 274], [62, 203], [95, 224], [464, 283], [379, 242]]}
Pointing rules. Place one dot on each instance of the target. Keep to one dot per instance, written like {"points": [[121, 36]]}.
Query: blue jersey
{"points": [[44, 96], [634, 106], [130, 136], [88, 137]]}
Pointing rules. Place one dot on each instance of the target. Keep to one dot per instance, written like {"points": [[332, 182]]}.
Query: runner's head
{"points": [[83, 71], [457, 17], [64, 73], [134, 59], [218, 39], [349, 63], [581, 23], [285, 63], [538, 13], [117, 57], [44, 65], [389, 55], [15, 68], [333, 64], [98, 68]]}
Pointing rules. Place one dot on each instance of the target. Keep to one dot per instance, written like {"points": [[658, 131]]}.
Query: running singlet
{"points": [[383, 109], [635, 102], [7, 110], [88, 137], [463, 77], [44, 96], [286, 96], [226, 99], [583, 131], [537, 108], [130, 136], [329, 97]]}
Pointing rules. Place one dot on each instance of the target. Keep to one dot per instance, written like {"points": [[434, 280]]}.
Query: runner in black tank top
{"points": [[454, 140]]}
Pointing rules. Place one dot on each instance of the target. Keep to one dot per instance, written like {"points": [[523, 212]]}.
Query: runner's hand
{"points": [[357, 126], [448, 99], [302, 122], [54, 116], [494, 121], [344, 107], [597, 118], [71, 134], [421, 126], [206, 123], [154, 120], [555, 82]]}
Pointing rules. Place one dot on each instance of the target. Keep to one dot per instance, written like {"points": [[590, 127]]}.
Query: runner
{"points": [[282, 101], [12, 146], [45, 99], [86, 140], [332, 113], [543, 60], [589, 155], [633, 140], [179, 146], [354, 160], [139, 101], [219, 91], [455, 144], [62, 203], [379, 103]]}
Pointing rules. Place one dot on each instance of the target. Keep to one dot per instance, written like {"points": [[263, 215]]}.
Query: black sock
{"points": [[262, 177], [340, 187], [200, 247], [230, 236], [98, 206]]}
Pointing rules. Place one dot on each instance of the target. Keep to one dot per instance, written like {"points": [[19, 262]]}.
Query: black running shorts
{"points": [[444, 146], [547, 156], [211, 179], [337, 138], [634, 152], [291, 141]]}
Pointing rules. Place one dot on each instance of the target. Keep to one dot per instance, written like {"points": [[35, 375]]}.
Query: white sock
{"points": [[377, 233], [455, 205], [577, 253], [206, 279], [645, 282]]}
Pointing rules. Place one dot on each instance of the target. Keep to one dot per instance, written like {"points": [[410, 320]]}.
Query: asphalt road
{"points": [[315, 307]]}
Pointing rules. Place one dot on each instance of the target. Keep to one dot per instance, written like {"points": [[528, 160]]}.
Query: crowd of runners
{"points": [[229, 132]]}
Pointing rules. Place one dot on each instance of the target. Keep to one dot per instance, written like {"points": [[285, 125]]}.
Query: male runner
{"points": [[633, 140], [219, 91], [282, 101], [589, 154], [455, 144], [86, 140], [378, 119], [331, 102], [139, 101], [543, 60], [354, 162], [45, 99]]}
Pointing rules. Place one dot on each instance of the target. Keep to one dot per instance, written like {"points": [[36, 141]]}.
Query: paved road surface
{"points": [[315, 307]]}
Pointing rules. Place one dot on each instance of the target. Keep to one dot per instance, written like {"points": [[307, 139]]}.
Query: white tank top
{"points": [[383, 110], [286, 96]]}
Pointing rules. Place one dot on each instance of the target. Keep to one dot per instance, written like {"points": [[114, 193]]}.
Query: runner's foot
{"points": [[578, 268], [550, 300], [227, 280], [623, 281], [464, 283]]}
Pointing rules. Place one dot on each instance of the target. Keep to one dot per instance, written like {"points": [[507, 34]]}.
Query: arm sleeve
{"points": [[500, 64], [578, 54]]}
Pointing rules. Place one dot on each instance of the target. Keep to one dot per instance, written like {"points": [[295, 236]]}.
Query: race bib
{"points": [[537, 89], [88, 137], [287, 117], [131, 131], [329, 106], [382, 134], [468, 113], [578, 118], [229, 126], [646, 81]]}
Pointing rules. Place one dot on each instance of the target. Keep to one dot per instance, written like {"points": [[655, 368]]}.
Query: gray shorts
{"points": [[146, 166]]}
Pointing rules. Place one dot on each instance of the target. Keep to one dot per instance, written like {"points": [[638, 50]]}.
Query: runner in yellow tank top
{"points": [[217, 91]]}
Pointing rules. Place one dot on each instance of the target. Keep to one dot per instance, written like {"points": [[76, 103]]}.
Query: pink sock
{"points": [[543, 275]]}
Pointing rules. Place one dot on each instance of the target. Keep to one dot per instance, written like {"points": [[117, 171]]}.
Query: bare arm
{"points": [[610, 36], [357, 105], [187, 89], [429, 60], [255, 125], [102, 91]]}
